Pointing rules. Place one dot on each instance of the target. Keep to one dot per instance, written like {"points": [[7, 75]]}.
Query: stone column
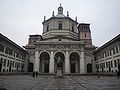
{"points": [[82, 63], [51, 63], [67, 63], [113, 66], [26, 64], [93, 64], [36, 62]]}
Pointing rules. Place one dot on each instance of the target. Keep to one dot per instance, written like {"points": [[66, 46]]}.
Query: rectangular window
{"points": [[14, 54], [113, 51], [2, 47], [1, 60], [115, 63], [17, 54], [8, 63], [116, 49], [105, 54], [118, 60], [4, 62], [72, 28], [110, 52], [60, 26], [6, 51], [106, 65], [111, 64], [119, 48], [10, 51], [47, 27], [13, 63]]}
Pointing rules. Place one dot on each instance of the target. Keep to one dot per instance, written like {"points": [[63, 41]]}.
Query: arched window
{"points": [[60, 26]]}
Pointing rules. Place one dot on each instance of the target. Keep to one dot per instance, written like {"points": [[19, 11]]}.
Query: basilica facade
{"points": [[65, 38]]}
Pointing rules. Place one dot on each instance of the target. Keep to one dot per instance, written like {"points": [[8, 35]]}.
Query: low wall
{"points": [[64, 74], [15, 73]]}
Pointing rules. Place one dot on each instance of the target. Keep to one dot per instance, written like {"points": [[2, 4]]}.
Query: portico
{"points": [[72, 57]]}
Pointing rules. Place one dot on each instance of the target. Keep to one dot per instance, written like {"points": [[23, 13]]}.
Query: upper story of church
{"points": [[60, 26]]}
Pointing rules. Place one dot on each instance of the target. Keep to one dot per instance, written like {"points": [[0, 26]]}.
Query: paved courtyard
{"points": [[27, 82]]}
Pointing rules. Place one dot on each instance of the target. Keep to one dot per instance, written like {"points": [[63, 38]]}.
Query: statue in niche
{"points": [[59, 61]]}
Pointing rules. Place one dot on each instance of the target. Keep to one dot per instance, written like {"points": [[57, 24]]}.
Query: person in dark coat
{"points": [[33, 74], [118, 74], [98, 74], [36, 74]]}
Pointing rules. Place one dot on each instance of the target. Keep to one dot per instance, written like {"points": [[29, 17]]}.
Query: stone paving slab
{"points": [[27, 82]]}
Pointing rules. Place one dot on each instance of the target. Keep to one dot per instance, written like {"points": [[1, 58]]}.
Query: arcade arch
{"points": [[44, 62], [74, 62], [62, 56]]}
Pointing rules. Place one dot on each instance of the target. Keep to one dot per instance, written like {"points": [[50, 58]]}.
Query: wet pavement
{"points": [[27, 82]]}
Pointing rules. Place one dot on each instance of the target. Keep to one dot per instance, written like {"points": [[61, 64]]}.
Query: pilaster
{"points": [[82, 63], [36, 62], [51, 65], [67, 63]]}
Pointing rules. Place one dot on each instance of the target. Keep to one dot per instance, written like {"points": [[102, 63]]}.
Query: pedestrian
{"points": [[33, 74], [118, 74], [98, 74], [36, 74]]}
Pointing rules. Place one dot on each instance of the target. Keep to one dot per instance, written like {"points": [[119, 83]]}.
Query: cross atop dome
{"points": [[60, 4]]}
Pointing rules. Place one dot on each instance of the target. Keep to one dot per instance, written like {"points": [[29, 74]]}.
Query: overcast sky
{"points": [[21, 18]]}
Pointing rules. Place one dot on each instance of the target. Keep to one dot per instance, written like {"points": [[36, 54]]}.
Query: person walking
{"points": [[98, 74], [33, 74], [36, 74]]}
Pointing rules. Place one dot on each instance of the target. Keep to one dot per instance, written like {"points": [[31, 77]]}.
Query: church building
{"points": [[62, 37]]}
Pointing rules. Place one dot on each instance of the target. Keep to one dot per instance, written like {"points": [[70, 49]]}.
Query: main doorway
{"points": [[89, 68], [30, 67]]}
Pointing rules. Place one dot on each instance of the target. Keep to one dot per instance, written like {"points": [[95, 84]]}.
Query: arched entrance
{"points": [[30, 67], [89, 68], [74, 62], [44, 62], [62, 64]]}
